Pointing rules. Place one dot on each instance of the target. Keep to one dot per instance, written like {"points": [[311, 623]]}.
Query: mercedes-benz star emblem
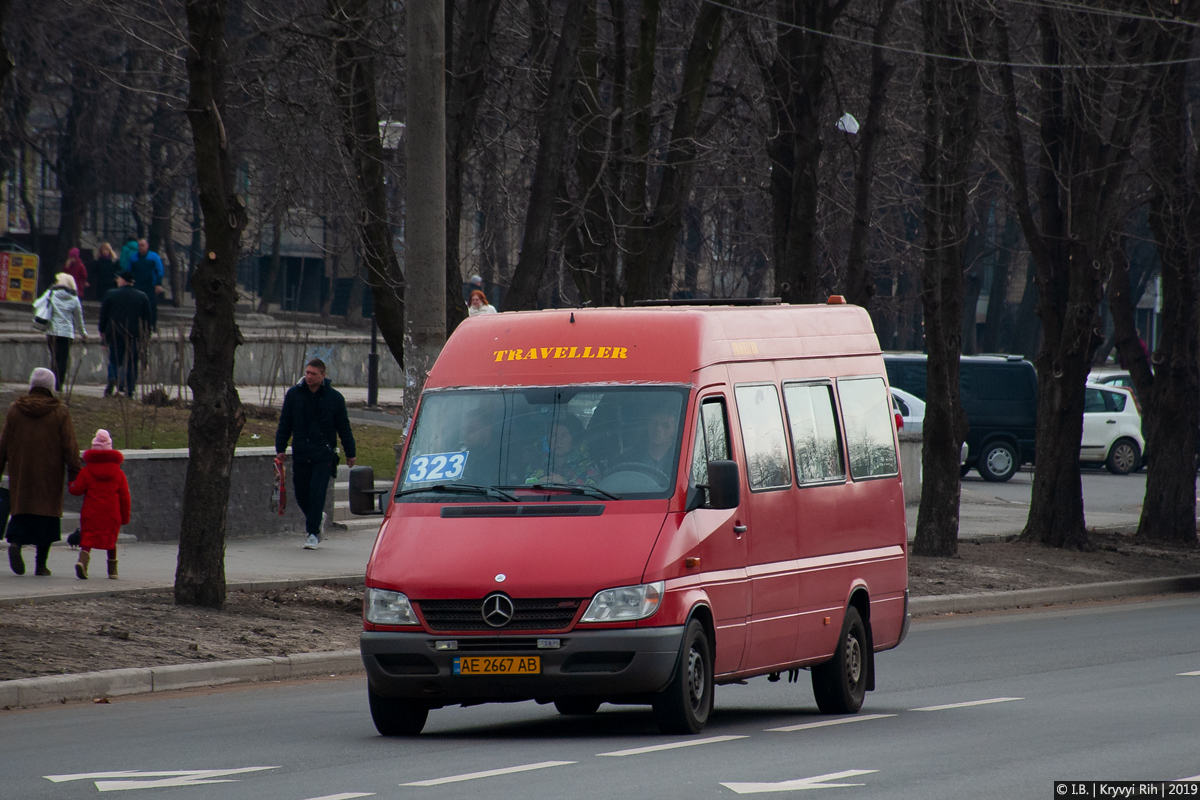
{"points": [[498, 610]]}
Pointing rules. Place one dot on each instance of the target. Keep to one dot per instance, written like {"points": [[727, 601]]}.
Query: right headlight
{"points": [[626, 603], [385, 607]]}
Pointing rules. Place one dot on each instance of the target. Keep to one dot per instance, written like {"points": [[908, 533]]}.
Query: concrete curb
{"points": [[27, 692], [1021, 598], [242, 586]]}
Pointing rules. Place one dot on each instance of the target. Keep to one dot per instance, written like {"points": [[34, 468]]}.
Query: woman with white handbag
{"points": [[64, 315]]}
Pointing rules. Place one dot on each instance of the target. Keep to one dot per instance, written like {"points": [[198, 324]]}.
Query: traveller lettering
{"points": [[542, 353]]}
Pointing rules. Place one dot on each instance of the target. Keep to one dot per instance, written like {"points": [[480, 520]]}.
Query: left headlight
{"points": [[389, 608], [625, 603]]}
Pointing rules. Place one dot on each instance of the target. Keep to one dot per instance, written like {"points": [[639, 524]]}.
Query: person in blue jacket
{"points": [[313, 417], [147, 269]]}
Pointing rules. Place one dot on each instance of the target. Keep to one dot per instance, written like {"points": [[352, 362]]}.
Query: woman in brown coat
{"points": [[38, 442]]}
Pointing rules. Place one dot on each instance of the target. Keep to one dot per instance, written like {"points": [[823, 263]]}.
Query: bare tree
{"points": [[1089, 106], [952, 85], [217, 416], [1168, 382]]}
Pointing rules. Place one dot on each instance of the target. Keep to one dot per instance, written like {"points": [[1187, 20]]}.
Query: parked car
{"points": [[911, 409], [1112, 428], [1113, 377], [999, 394]]}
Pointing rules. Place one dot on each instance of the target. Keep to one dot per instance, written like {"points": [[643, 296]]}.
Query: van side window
{"points": [[763, 437], [712, 439], [815, 442], [867, 416]]}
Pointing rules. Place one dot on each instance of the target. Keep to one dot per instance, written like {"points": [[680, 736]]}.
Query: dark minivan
{"points": [[999, 394]]}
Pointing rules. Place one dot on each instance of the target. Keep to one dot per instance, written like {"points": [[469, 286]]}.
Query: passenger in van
{"points": [[566, 457], [481, 440]]}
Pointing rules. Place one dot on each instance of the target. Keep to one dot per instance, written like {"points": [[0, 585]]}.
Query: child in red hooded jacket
{"points": [[105, 502]]}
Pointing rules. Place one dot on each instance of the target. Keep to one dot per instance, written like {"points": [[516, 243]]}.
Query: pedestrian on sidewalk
{"points": [[37, 446], [105, 502], [66, 318], [77, 270], [313, 417], [147, 269], [124, 322], [102, 273]]}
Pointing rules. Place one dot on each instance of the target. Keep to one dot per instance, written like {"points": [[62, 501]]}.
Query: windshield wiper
{"points": [[573, 488], [461, 488]]}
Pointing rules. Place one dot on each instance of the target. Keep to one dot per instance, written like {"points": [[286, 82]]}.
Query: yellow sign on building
{"points": [[18, 277]]}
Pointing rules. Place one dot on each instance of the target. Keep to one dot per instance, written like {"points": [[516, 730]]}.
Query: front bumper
{"points": [[606, 664]]}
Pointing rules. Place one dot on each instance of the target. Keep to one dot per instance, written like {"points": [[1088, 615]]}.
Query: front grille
{"points": [[536, 614], [496, 644]]}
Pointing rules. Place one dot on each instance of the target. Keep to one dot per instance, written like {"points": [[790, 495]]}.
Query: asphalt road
{"points": [[977, 707], [1103, 492]]}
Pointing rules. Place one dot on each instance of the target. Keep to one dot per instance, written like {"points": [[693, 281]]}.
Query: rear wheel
{"points": [[396, 716], [576, 706], [840, 684], [998, 462], [683, 707], [1123, 458]]}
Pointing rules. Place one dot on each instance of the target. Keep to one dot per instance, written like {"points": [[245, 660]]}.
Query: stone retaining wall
{"points": [[260, 360], [156, 479]]}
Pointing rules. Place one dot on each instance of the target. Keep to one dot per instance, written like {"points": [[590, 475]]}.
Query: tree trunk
{"points": [[552, 137], [858, 287], [653, 239], [466, 82], [795, 79], [1171, 393], [951, 90], [354, 69], [217, 416], [997, 307], [1081, 171]]}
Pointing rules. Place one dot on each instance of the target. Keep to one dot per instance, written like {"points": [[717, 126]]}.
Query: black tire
{"points": [[396, 716], [1123, 457], [576, 706], [684, 706], [998, 462], [840, 684]]}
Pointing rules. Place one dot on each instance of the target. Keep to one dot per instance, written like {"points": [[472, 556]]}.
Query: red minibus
{"points": [[633, 505]]}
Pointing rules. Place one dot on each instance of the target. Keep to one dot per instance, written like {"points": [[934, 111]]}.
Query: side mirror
{"points": [[724, 484], [363, 491]]}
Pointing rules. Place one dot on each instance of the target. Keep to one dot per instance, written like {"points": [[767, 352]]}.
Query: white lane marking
{"points": [[1188, 674], [637, 751], [968, 705], [815, 782], [491, 773], [134, 779], [826, 723], [344, 796], [1193, 778]]}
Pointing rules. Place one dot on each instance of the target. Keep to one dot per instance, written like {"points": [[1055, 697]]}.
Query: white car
{"points": [[911, 409], [1112, 429]]}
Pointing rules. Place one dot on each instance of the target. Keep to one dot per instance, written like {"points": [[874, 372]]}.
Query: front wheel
{"points": [[683, 707], [1123, 457], [840, 684], [396, 716], [998, 462]]}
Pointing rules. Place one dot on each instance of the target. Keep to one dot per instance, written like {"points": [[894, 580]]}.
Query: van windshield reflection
{"points": [[537, 443]]}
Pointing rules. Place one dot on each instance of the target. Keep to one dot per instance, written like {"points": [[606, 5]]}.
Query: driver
{"points": [[660, 441]]}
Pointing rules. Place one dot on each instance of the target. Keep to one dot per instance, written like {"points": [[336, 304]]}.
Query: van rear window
{"points": [[867, 416], [604, 443]]}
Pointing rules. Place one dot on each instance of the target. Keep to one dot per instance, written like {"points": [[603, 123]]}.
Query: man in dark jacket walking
{"points": [[313, 417], [124, 320]]}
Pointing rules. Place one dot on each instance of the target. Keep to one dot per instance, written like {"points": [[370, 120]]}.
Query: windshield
{"points": [[603, 442]]}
